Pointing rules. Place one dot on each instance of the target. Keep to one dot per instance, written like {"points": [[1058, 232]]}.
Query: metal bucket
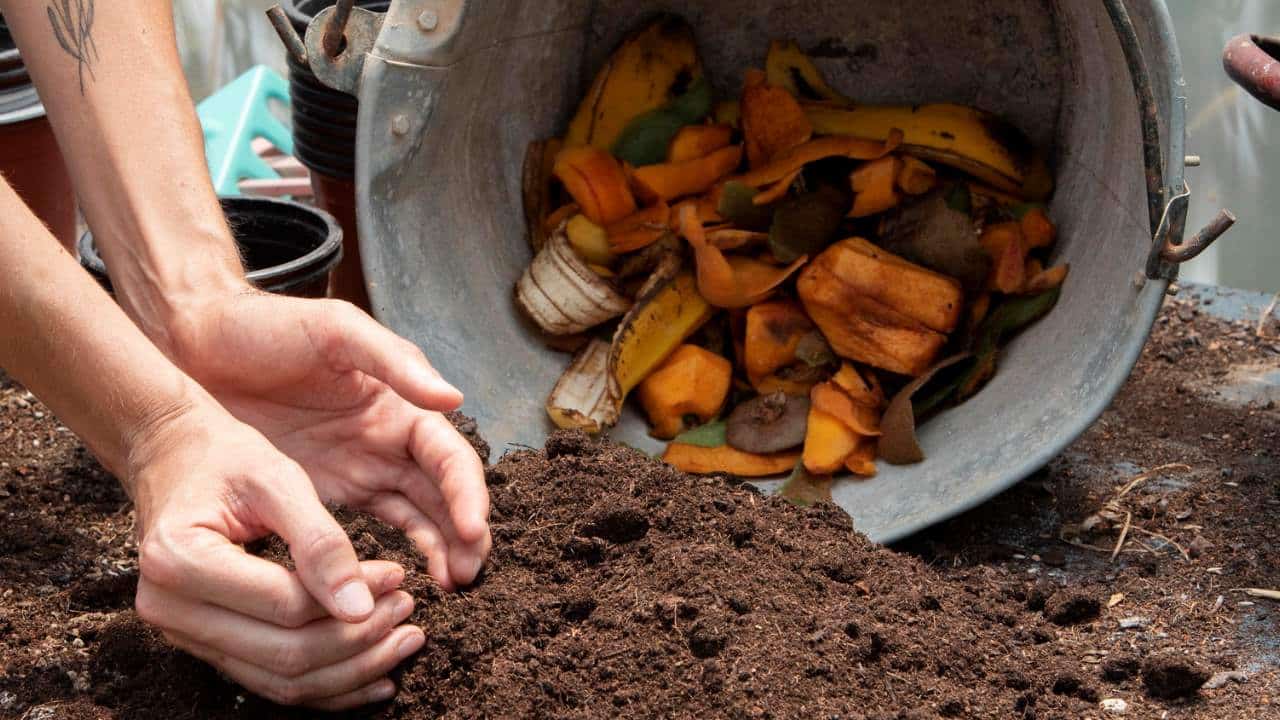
{"points": [[451, 92]]}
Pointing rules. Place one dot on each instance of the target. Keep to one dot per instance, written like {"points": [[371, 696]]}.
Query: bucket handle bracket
{"points": [[337, 41]]}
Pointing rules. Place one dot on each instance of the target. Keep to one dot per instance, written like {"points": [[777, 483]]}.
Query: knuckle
{"points": [[325, 542], [291, 660], [285, 691], [158, 559], [289, 611], [148, 606]]}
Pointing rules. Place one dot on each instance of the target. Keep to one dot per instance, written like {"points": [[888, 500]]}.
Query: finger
{"points": [[399, 512], [448, 459], [326, 561], [331, 681], [380, 691], [368, 346], [287, 652], [205, 566]]}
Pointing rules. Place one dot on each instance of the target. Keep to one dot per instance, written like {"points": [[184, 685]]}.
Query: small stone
{"points": [[1115, 706], [1224, 677], [1134, 623]]}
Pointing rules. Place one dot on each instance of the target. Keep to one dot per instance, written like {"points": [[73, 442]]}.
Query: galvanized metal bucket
{"points": [[451, 92]]}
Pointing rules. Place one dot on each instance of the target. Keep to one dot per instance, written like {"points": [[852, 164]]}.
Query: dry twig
{"points": [[1266, 315]]}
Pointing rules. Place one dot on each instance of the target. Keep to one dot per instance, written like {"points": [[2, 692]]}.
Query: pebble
{"points": [[1131, 623], [1222, 678], [1115, 706]]}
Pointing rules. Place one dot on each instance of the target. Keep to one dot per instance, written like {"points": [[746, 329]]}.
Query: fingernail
{"points": [[384, 691], [411, 644], [469, 568], [404, 606], [354, 599]]}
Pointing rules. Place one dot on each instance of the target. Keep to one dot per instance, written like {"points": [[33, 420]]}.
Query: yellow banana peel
{"points": [[788, 67], [976, 142], [646, 72]]}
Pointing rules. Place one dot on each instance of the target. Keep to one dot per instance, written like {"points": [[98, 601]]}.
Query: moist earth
{"points": [[621, 587]]}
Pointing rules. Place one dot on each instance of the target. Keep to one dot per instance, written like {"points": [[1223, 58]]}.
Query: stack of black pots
{"points": [[324, 140], [324, 119]]}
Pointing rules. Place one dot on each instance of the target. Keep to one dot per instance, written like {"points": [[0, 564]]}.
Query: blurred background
{"points": [[1237, 137]]}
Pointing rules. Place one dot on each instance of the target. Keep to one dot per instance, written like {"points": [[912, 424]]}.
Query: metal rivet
{"points": [[1192, 161], [399, 124], [428, 20], [1173, 289]]}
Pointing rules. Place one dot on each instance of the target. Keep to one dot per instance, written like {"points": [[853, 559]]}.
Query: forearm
{"points": [[69, 344], [110, 76]]}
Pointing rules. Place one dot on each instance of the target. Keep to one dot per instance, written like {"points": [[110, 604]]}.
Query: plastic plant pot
{"points": [[288, 248]]}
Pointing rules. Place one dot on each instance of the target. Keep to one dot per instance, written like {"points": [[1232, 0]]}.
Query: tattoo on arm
{"points": [[72, 22]]}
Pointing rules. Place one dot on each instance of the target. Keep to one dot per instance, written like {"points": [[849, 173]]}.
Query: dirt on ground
{"points": [[1110, 584]]}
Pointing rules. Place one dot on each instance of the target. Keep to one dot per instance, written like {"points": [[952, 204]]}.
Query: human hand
{"points": [[355, 405], [325, 636]]}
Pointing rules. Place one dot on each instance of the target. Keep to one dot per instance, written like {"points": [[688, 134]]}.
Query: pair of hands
{"points": [[315, 402]]}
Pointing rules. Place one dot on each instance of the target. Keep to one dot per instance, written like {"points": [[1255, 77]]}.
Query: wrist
{"points": [[166, 263], [168, 426]]}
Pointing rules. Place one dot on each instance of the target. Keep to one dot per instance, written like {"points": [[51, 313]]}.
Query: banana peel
{"points": [[649, 69], [539, 162], [788, 67], [976, 142], [659, 322], [562, 294], [590, 393], [586, 395]]}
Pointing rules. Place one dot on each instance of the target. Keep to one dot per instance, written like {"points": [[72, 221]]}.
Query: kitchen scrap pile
{"points": [[785, 280]]}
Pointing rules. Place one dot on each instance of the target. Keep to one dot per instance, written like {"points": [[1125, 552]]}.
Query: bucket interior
{"points": [[443, 233]]}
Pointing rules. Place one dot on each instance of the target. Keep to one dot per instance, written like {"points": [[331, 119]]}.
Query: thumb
{"points": [[375, 350], [326, 561]]}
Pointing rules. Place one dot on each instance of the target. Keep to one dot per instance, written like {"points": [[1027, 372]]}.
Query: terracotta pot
{"points": [[32, 164], [338, 198], [29, 157]]}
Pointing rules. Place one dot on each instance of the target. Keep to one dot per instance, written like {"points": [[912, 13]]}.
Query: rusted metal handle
{"points": [[292, 42], [1253, 62], [334, 38], [335, 31], [1201, 241]]}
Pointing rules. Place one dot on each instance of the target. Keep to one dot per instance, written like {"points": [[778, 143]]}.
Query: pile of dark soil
{"points": [[619, 587]]}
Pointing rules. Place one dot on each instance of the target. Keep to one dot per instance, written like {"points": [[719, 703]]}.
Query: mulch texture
{"points": [[620, 587]]}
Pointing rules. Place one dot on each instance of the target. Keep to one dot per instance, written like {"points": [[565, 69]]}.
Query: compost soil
{"points": [[620, 587]]}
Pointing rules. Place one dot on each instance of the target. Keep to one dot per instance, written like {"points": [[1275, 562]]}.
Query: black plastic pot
{"points": [[288, 248], [324, 119]]}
